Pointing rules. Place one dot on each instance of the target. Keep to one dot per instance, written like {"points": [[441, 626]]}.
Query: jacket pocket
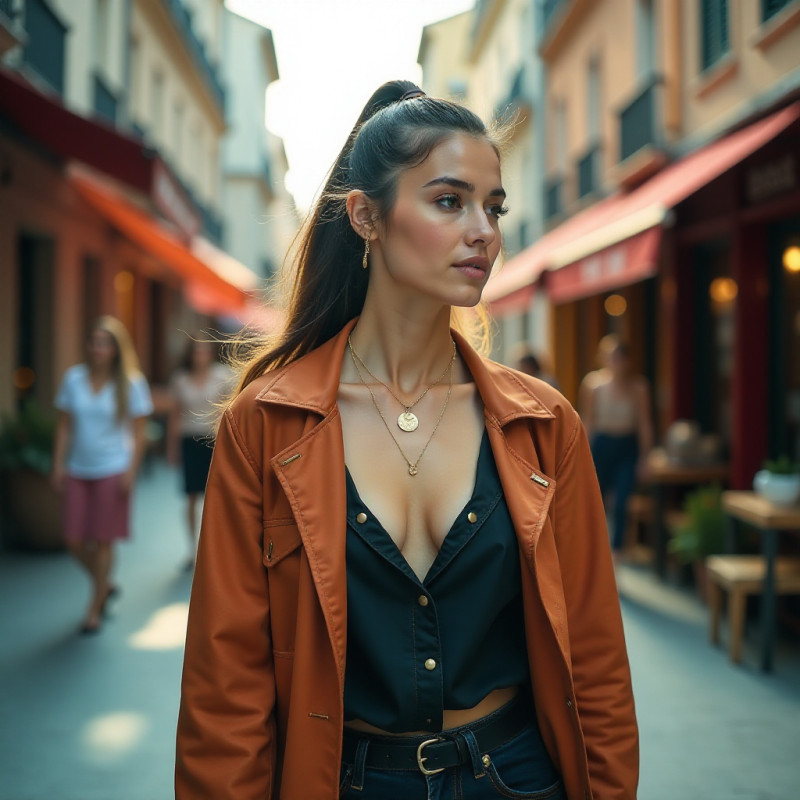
{"points": [[281, 538]]}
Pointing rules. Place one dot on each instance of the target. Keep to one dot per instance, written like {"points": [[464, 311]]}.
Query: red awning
{"points": [[46, 121], [217, 295], [69, 135], [629, 261], [625, 215]]}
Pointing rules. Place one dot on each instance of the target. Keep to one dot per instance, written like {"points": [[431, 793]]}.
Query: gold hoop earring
{"points": [[364, 262]]}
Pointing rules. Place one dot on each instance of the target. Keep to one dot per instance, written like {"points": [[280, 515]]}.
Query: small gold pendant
{"points": [[412, 469], [407, 422]]}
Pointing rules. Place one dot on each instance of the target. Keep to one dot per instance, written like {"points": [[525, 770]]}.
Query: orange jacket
{"points": [[263, 681]]}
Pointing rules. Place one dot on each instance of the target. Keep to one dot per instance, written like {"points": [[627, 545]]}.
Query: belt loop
{"points": [[359, 765], [478, 770]]}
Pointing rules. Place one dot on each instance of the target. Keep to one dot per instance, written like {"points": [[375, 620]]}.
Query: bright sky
{"points": [[332, 54]]}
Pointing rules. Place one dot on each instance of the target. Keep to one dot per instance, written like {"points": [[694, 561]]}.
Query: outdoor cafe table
{"points": [[663, 472], [768, 519]]}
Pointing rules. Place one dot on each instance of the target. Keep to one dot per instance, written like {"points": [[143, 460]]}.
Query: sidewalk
{"points": [[93, 718]]}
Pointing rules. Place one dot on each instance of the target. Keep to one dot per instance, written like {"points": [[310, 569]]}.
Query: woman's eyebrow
{"points": [[457, 183]]}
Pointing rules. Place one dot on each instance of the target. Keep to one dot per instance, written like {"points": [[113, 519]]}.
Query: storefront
{"points": [[92, 223], [699, 269]]}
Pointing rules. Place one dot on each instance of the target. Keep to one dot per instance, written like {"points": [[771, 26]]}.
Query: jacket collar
{"points": [[312, 382]]}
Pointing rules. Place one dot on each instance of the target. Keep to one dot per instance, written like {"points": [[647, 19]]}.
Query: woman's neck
{"points": [[99, 373], [403, 350]]}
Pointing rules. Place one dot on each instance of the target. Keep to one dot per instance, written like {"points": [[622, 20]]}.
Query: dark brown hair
{"points": [[394, 133]]}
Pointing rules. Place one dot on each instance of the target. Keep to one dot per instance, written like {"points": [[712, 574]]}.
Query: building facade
{"points": [[671, 205], [260, 216], [112, 119]]}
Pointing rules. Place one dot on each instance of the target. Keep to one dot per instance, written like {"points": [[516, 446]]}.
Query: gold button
{"points": [[486, 761], [422, 600], [430, 664], [361, 518], [472, 516]]}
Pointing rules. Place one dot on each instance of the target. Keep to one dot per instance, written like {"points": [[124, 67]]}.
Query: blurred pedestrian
{"points": [[403, 586], [615, 406], [103, 404], [528, 361], [197, 388]]}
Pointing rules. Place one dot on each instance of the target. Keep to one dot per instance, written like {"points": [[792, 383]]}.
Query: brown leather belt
{"points": [[432, 753]]}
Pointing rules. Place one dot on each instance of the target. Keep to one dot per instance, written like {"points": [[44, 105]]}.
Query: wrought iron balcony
{"points": [[553, 197], [46, 45], [589, 172], [183, 22], [638, 121]]}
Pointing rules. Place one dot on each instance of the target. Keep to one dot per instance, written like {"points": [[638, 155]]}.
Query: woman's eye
{"points": [[449, 201], [498, 211]]}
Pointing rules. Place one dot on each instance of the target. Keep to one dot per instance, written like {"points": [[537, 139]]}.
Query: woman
{"points": [[100, 439], [615, 407], [197, 388], [403, 586]]}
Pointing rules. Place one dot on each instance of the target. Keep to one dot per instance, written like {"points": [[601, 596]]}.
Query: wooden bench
{"points": [[740, 576]]}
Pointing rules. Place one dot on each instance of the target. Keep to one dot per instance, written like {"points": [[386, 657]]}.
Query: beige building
{"points": [[485, 58], [672, 205], [112, 116], [260, 216]]}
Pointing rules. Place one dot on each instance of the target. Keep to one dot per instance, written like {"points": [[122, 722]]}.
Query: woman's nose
{"points": [[480, 228]]}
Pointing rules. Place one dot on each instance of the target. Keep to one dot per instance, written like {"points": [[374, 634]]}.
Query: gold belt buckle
{"points": [[422, 759]]}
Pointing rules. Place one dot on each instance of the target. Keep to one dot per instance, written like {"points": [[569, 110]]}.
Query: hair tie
{"points": [[410, 94]]}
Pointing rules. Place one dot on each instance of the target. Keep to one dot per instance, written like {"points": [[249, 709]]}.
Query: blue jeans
{"points": [[615, 460], [520, 768]]}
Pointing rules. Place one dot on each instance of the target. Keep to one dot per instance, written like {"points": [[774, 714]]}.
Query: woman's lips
{"points": [[475, 268]]}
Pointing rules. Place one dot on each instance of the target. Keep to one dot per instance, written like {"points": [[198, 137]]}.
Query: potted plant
{"points": [[703, 532], [779, 481], [32, 507]]}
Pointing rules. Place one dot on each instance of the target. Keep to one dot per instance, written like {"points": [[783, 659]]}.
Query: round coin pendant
{"points": [[407, 422], [412, 470]]}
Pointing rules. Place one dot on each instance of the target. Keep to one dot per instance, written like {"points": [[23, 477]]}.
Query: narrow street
{"points": [[93, 718]]}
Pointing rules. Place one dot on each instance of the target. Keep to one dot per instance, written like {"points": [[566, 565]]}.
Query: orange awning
{"points": [[623, 216], [218, 295]]}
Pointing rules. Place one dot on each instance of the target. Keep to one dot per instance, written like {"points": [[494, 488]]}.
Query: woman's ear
{"points": [[361, 213]]}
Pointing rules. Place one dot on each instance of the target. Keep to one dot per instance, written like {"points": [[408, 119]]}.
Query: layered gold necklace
{"points": [[407, 421], [412, 465]]}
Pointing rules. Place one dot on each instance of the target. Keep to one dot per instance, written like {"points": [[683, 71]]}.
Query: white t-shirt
{"points": [[199, 402], [100, 445]]}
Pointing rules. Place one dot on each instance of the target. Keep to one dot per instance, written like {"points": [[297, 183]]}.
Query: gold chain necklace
{"points": [[406, 421], [412, 466]]}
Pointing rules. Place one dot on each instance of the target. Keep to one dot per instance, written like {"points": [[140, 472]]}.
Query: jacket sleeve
{"points": [[226, 724], [601, 675]]}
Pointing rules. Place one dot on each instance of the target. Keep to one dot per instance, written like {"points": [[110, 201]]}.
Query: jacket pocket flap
{"points": [[281, 537]]}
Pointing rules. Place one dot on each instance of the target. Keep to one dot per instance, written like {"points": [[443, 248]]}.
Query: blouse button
{"points": [[430, 664], [361, 518], [422, 600], [472, 516]]}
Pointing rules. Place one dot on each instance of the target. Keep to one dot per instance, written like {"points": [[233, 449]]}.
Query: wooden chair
{"points": [[739, 576]]}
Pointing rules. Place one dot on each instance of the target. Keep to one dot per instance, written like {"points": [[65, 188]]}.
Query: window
{"points": [[177, 131], [102, 31], [135, 79], [157, 105], [645, 40], [769, 8], [593, 110], [714, 31], [561, 137], [46, 43]]}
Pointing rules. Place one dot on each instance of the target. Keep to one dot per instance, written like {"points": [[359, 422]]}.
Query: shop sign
{"points": [[766, 181]]}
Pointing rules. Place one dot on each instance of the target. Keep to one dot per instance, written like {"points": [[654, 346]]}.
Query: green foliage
{"points": [[26, 440], [782, 465], [704, 532]]}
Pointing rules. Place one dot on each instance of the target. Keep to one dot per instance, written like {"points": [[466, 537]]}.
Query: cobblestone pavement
{"points": [[93, 718]]}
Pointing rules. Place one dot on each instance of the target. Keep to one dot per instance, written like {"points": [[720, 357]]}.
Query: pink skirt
{"points": [[96, 510]]}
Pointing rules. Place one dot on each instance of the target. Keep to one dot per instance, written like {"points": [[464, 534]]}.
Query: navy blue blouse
{"points": [[415, 648]]}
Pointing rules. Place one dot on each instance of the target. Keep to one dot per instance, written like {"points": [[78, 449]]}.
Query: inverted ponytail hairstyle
{"points": [[396, 131]]}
